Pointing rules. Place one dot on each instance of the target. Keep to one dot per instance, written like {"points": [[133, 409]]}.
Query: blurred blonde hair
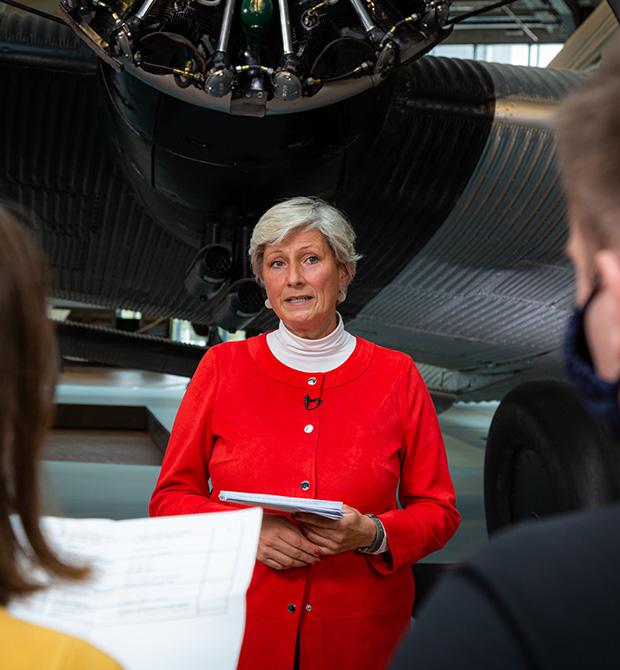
{"points": [[588, 132]]}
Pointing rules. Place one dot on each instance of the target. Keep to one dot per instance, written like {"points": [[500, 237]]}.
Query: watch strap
{"points": [[379, 537]]}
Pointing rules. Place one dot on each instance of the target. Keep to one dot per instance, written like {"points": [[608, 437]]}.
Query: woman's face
{"points": [[303, 279]]}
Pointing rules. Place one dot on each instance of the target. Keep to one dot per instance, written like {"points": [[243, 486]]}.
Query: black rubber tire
{"points": [[546, 454]]}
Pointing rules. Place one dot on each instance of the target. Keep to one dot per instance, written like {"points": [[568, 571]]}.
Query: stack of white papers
{"points": [[327, 508], [165, 593]]}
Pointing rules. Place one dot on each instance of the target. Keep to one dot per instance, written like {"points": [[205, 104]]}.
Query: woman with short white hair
{"points": [[311, 411], [309, 214]]}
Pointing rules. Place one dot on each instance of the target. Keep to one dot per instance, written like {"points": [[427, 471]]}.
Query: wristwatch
{"points": [[378, 538]]}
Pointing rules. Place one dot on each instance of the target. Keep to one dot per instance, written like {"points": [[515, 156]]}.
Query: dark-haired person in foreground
{"points": [[547, 595], [28, 360]]}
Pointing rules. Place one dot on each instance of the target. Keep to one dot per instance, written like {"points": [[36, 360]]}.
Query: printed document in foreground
{"points": [[167, 592]]}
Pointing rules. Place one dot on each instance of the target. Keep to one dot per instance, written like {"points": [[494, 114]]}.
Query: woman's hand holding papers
{"points": [[353, 531], [282, 545]]}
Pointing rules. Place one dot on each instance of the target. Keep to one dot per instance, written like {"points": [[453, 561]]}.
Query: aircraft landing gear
{"points": [[546, 454]]}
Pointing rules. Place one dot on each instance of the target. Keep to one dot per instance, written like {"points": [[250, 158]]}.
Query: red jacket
{"points": [[243, 423]]}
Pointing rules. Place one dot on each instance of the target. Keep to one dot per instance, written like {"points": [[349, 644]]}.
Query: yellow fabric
{"points": [[24, 646]]}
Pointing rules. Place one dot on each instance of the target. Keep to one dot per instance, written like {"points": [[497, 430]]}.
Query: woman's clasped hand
{"points": [[353, 531], [283, 545]]}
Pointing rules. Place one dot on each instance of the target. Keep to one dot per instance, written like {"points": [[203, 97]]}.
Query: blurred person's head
{"points": [[588, 131], [28, 368]]}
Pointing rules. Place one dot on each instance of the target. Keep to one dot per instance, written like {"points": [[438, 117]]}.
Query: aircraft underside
{"points": [[446, 170]]}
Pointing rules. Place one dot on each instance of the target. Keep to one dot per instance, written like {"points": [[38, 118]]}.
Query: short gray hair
{"points": [[304, 213]]}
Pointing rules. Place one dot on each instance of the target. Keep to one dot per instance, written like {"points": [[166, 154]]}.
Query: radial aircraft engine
{"points": [[257, 57]]}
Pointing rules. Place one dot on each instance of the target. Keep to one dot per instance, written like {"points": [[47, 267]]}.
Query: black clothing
{"points": [[543, 596]]}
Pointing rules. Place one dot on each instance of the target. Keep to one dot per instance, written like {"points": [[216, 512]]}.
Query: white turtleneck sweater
{"points": [[322, 355]]}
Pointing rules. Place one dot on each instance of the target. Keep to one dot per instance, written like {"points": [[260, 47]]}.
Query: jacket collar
{"points": [[353, 367]]}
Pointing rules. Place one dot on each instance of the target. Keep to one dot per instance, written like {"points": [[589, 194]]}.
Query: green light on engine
{"points": [[256, 15]]}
